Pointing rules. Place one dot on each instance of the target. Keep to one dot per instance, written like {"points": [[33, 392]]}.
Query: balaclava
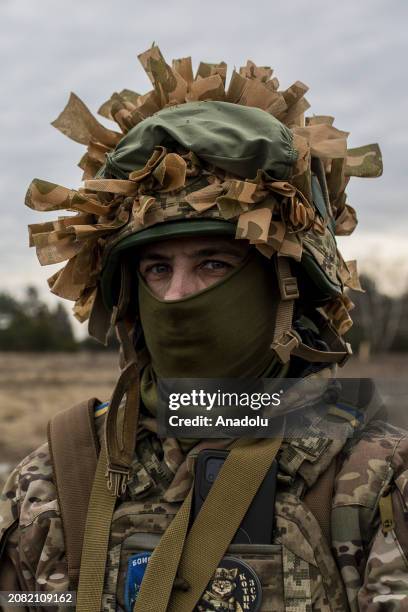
{"points": [[224, 331]]}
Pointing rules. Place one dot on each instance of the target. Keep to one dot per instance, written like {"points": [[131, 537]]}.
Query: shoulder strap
{"points": [[74, 448], [319, 498]]}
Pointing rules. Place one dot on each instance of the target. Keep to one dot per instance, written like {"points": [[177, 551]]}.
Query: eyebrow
{"points": [[206, 252]]}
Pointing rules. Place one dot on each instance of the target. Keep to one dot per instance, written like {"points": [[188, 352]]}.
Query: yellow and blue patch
{"points": [[351, 414], [101, 409]]}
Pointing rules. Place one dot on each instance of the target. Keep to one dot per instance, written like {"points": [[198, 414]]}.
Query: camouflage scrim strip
{"points": [[273, 217], [127, 95], [169, 85], [364, 161], [77, 122]]}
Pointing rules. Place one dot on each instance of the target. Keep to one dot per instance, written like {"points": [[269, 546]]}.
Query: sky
{"points": [[352, 55]]}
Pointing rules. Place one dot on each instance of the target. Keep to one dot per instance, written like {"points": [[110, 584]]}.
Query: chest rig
{"points": [[297, 569]]}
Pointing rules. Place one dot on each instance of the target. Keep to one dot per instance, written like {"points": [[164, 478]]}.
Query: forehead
{"points": [[194, 245]]}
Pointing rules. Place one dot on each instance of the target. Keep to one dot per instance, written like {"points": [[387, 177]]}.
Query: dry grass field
{"points": [[33, 387]]}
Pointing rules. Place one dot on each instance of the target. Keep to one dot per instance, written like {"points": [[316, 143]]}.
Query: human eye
{"points": [[159, 268], [155, 270], [215, 265]]}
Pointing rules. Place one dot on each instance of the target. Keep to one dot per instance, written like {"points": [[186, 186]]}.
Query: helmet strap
{"points": [[101, 320], [120, 310], [284, 342], [287, 341], [121, 433]]}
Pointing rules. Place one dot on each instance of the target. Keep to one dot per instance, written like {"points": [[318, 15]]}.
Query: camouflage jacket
{"points": [[365, 568]]}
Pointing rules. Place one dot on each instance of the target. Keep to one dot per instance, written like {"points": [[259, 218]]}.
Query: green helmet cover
{"points": [[238, 139]]}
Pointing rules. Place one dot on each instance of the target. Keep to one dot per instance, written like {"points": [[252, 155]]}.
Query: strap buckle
{"points": [[285, 345], [347, 355], [117, 478], [289, 288]]}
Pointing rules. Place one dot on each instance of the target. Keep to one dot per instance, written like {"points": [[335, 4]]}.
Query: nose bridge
{"points": [[182, 282]]}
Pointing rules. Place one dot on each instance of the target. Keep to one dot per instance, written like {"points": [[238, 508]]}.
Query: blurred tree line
{"points": [[380, 321], [28, 324]]}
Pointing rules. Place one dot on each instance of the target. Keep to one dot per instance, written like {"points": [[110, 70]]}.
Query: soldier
{"points": [[205, 233]]}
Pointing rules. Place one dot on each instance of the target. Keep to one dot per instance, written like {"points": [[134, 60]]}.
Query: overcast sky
{"points": [[352, 54]]}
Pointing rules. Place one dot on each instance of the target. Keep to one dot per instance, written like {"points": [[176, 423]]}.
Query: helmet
{"points": [[196, 158]]}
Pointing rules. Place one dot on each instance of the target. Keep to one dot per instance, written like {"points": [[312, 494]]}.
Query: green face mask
{"points": [[224, 331]]}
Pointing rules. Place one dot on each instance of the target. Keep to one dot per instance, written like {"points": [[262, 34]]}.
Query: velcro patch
{"points": [[136, 568], [234, 587]]}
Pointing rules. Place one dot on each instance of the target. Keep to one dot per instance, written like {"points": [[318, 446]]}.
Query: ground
{"points": [[33, 387]]}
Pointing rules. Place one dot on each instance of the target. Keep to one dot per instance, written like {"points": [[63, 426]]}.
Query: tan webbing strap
{"points": [[283, 344], [212, 531], [111, 477], [125, 285], [319, 499], [120, 444], [332, 338], [96, 540], [99, 319], [158, 580], [286, 341], [315, 356], [74, 450]]}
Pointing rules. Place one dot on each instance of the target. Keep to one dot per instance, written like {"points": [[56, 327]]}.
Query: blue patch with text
{"points": [[136, 568]]}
